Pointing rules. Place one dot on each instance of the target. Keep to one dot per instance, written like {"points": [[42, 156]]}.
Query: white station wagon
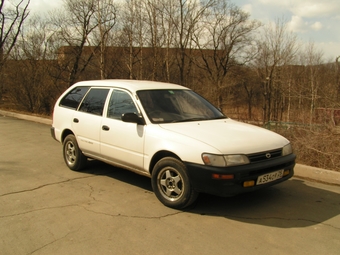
{"points": [[171, 134]]}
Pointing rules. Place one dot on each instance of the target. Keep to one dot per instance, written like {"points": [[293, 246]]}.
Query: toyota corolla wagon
{"points": [[170, 134]]}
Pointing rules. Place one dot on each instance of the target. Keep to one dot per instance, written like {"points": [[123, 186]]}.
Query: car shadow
{"points": [[95, 167], [291, 204]]}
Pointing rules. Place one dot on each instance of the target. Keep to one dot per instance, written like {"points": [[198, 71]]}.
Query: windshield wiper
{"points": [[191, 119], [199, 118], [218, 118]]}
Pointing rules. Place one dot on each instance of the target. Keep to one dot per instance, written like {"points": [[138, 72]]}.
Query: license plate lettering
{"points": [[262, 179]]}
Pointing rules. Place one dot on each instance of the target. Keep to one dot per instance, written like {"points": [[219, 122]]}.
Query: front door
{"points": [[122, 142]]}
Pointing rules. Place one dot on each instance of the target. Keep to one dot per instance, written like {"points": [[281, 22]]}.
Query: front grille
{"points": [[262, 156]]}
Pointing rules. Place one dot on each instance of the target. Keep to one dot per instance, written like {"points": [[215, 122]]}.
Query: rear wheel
{"points": [[73, 156], [171, 184]]}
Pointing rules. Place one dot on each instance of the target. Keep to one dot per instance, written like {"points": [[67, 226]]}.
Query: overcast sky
{"points": [[317, 21]]}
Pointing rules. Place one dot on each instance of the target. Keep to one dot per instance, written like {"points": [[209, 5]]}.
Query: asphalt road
{"points": [[45, 208]]}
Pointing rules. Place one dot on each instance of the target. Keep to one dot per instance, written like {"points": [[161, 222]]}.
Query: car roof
{"points": [[131, 85]]}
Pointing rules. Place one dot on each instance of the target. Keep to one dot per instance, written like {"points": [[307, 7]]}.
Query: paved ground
{"points": [[47, 209]]}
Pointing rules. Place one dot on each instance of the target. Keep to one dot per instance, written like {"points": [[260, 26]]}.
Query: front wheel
{"points": [[73, 156], [171, 184]]}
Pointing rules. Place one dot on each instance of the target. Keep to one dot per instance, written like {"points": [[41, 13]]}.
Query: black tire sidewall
{"points": [[185, 199], [79, 162]]}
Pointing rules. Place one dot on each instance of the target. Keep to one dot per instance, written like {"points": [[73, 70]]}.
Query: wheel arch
{"points": [[158, 156], [65, 133]]}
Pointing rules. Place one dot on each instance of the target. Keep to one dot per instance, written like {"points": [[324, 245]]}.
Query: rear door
{"points": [[122, 142], [86, 122]]}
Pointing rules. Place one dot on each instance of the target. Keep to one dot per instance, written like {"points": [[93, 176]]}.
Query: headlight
{"points": [[234, 160], [213, 160], [286, 150], [224, 160]]}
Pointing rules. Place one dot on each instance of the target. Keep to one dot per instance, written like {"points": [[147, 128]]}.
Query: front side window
{"points": [[94, 101], [74, 97], [120, 103], [168, 106]]}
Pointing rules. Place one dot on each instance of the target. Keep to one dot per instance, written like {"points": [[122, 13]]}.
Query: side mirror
{"points": [[133, 118]]}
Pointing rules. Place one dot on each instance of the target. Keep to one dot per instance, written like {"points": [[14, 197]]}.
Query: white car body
{"points": [[138, 146]]}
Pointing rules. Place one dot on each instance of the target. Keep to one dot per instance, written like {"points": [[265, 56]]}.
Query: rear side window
{"points": [[94, 101], [74, 97]]}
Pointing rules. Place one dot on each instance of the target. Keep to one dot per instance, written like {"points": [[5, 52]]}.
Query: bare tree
{"points": [[156, 36], [132, 36], [106, 17], [185, 16], [31, 87], [12, 17], [224, 41], [312, 61], [337, 75], [75, 27], [277, 48]]}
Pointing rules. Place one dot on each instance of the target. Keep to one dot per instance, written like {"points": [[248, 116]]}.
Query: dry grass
{"points": [[319, 147], [316, 144]]}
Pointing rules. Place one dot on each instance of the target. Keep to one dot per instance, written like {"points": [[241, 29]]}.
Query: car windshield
{"points": [[169, 106]]}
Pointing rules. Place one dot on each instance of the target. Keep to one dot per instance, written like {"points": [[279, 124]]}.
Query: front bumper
{"points": [[202, 181]]}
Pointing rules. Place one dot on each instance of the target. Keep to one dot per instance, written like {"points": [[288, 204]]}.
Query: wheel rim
{"points": [[70, 153], [170, 184]]}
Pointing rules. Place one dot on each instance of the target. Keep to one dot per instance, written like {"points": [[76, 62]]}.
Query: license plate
{"points": [[262, 179]]}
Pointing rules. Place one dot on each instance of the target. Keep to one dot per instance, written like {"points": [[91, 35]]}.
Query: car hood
{"points": [[229, 136]]}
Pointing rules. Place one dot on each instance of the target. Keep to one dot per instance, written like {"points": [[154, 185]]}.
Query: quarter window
{"points": [[94, 101], [73, 98]]}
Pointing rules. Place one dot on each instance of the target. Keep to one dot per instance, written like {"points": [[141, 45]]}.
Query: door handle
{"points": [[105, 128], [75, 120]]}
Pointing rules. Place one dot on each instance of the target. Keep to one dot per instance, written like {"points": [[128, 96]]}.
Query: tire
{"points": [[73, 156], [171, 184]]}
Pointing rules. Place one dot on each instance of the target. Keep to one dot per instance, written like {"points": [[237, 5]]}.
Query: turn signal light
{"points": [[223, 176], [248, 184], [286, 172]]}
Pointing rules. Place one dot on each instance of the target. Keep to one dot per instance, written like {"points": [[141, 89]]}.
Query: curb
{"points": [[300, 171], [26, 117], [317, 174]]}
